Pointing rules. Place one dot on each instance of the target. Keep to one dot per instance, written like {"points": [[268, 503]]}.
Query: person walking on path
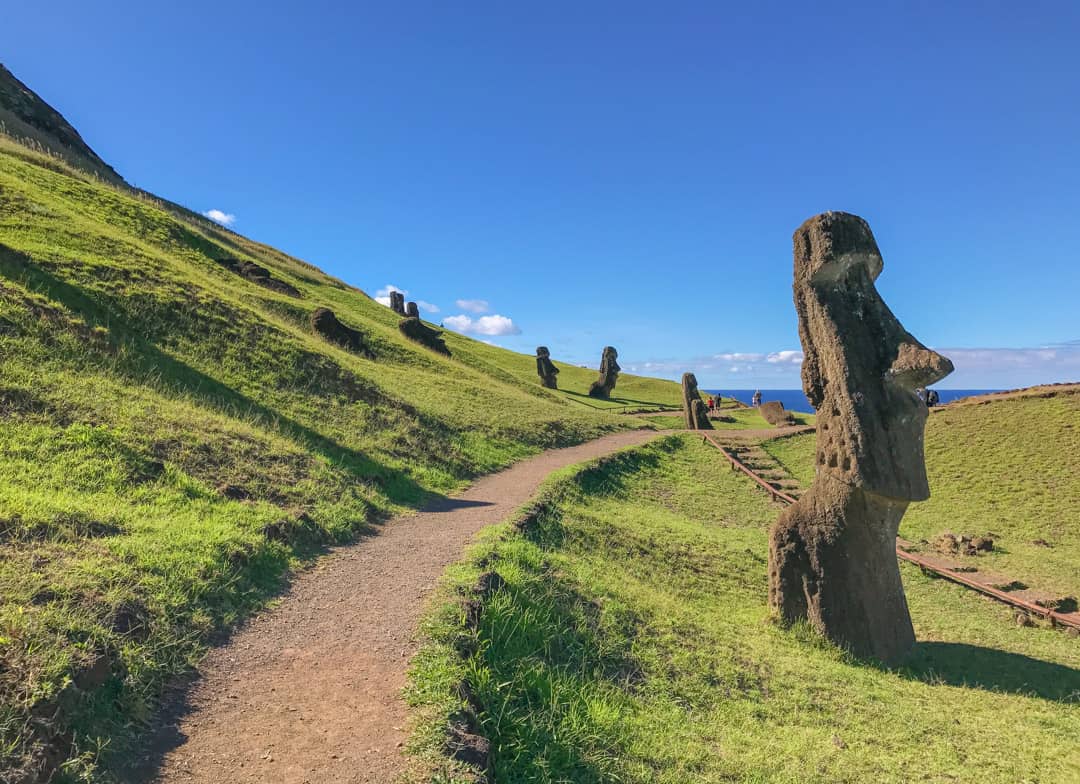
{"points": [[755, 401]]}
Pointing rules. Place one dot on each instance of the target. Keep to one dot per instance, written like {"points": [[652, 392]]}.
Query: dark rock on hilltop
{"points": [[832, 555], [325, 323], [416, 330]]}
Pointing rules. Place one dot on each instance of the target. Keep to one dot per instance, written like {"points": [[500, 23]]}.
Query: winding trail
{"points": [[310, 691]]}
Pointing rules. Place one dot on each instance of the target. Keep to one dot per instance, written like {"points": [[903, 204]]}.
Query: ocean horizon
{"points": [[795, 399]]}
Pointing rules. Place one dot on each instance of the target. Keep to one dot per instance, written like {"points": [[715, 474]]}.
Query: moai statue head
{"points": [[609, 374], [608, 365], [546, 369], [397, 302], [861, 367], [412, 311]]}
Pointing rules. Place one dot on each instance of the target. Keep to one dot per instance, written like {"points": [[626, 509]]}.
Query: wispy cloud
{"points": [[473, 305], [218, 216], [494, 325], [427, 307]]}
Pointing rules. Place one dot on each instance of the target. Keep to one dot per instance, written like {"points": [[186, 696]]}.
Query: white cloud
{"points": [[382, 296], [495, 325], [739, 356], [427, 307], [473, 305], [217, 216], [785, 357]]}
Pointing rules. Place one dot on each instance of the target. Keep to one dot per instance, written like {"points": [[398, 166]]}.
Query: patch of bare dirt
{"points": [[310, 691]]}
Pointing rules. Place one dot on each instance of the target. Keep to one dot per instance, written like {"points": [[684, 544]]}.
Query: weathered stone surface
{"points": [[397, 302], [325, 323], [411, 310], [695, 412], [832, 558], [415, 329], [546, 369], [609, 374], [251, 271], [774, 413]]}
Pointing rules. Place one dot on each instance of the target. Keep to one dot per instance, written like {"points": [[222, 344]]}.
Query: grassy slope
{"points": [[1010, 468], [137, 379], [631, 644]]}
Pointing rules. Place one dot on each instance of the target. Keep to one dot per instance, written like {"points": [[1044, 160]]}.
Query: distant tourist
{"points": [[932, 397], [756, 399], [712, 404], [921, 394]]}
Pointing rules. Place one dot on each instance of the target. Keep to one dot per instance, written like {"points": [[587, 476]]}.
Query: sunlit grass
{"points": [[632, 644]]}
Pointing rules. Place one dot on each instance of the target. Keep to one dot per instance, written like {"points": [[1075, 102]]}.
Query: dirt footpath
{"points": [[310, 691]]}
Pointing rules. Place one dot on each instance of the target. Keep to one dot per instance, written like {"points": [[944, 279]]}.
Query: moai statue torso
{"points": [[695, 412], [546, 369], [397, 302], [832, 555], [609, 374]]}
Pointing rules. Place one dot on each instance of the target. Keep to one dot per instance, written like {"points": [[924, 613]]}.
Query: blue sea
{"points": [[795, 400]]}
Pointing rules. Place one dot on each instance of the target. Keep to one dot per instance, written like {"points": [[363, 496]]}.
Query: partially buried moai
{"points": [[609, 374], [397, 302], [832, 555], [695, 412], [546, 369], [412, 311]]}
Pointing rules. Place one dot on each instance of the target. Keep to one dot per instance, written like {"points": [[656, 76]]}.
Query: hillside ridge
{"points": [[26, 114]]}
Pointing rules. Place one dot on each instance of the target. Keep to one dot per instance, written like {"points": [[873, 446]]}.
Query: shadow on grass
{"points": [[975, 667], [147, 360], [617, 402]]}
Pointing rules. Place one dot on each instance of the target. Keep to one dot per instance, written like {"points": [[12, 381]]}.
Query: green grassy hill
{"points": [[1010, 468], [629, 641], [174, 436]]}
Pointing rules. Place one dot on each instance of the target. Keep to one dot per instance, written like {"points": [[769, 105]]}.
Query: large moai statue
{"points": [[397, 302], [695, 412], [412, 311], [832, 555], [546, 369], [609, 374]]}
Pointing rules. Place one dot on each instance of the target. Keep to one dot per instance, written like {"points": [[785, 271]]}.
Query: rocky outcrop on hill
{"points": [[415, 329], [325, 323], [251, 271], [832, 556]]}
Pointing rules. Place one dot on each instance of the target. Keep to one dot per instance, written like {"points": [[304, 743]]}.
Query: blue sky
{"points": [[614, 173]]}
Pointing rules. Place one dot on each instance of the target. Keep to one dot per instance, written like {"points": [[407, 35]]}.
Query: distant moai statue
{"points": [[609, 374], [412, 311], [695, 412], [397, 302], [832, 555], [546, 369], [774, 413]]}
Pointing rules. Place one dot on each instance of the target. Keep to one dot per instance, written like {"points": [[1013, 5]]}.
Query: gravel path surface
{"points": [[310, 691]]}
